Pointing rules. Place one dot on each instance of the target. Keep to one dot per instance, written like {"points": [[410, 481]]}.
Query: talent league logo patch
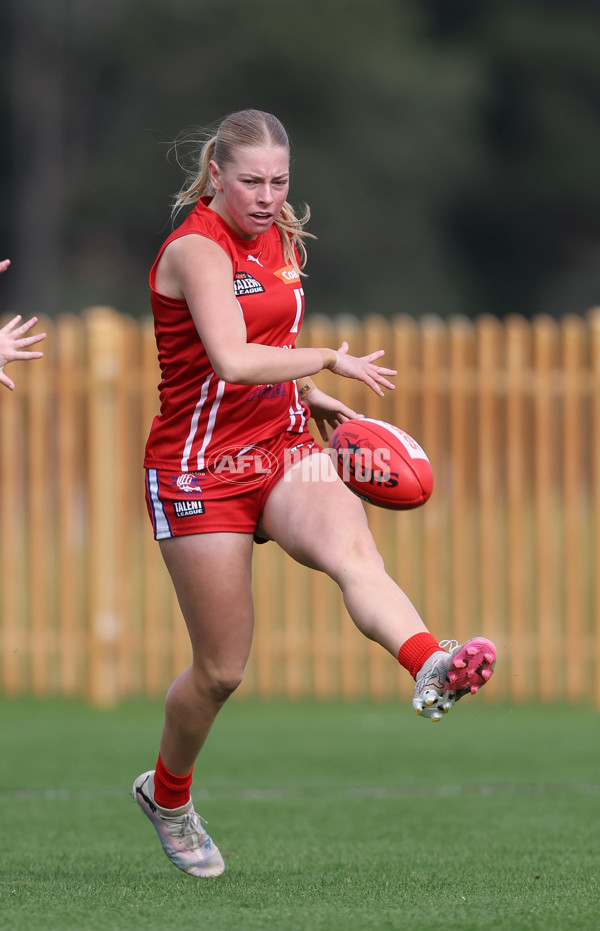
{"points": [[244, 283], [188, 508]]}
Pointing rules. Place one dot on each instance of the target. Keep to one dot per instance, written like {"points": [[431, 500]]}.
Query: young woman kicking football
{"points": [[227, 298]]}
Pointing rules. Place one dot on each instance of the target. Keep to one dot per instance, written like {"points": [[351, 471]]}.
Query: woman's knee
{"points": [[218, 680], [357, 553]]}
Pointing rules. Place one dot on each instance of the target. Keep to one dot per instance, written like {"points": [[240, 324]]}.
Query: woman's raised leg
{"points": [[322, 524]]}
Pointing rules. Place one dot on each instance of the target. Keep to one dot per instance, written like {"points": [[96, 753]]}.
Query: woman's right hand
{"points": [[362, 368]]}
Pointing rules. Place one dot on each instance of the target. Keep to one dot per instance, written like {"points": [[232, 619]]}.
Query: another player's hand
{"points": [[363, 369], [13, 343], [326, 410]]}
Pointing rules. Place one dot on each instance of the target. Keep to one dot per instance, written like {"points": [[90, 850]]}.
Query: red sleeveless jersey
{"points": [[200, 413]]}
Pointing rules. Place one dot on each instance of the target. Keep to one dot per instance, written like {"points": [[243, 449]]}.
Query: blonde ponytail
{"points": [[197, 184], [293, 235]]}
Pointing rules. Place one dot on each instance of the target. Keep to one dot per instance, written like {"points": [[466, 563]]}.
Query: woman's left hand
{"points": [[327, 411]]}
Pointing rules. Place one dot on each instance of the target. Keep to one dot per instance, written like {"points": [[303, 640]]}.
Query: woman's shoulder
{"points": [[197, 238], [206, 222], [199, 227]]}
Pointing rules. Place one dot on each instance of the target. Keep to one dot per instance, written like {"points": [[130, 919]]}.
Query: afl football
{"points": [[382, 464]]}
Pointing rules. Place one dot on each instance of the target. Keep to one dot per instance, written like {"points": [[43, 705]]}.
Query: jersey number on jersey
{"points": [[298, 293]]}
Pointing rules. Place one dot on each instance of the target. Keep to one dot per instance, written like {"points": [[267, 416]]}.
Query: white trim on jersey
{"points": [[211, 424], [244, 450], [296, 412], [194, 424]]}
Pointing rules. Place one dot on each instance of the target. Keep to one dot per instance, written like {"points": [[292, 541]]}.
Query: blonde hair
{"points": [[244, 128]]}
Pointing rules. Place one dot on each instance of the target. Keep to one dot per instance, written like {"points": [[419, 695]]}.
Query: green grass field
{"points": [[329, 816]]}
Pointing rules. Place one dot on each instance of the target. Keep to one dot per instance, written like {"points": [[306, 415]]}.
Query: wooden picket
{"points": [[509, 413]]}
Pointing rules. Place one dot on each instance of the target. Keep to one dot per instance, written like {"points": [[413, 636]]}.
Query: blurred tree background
{"points": [[449, 149]]}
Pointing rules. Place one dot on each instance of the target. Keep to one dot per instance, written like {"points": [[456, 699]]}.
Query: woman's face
{"points": [[251, 190]]}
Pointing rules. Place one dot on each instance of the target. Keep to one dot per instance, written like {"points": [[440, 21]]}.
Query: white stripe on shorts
{"points": [[162, 528]]}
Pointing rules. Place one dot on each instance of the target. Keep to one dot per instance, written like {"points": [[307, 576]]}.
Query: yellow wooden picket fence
{"points": [[508, 546]]}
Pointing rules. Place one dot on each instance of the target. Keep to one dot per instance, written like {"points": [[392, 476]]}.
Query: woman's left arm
{"points": [[324, 409]]}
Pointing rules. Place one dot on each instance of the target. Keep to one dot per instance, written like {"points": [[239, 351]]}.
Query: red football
{"points": [[381, 464]]}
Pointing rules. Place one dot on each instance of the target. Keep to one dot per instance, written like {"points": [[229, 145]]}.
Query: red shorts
{"points": [[229, 494]]}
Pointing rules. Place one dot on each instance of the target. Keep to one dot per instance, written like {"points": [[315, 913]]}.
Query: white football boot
{"points": [[180, 830], [449, 675]]}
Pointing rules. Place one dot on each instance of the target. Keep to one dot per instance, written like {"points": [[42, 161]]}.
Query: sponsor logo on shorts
{"points": [[244, 283], [188, 482], [188, 508], [242, 465]]}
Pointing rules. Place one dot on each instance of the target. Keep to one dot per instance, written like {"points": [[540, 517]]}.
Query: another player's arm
{"points": [[14, 345], [198, 269]]}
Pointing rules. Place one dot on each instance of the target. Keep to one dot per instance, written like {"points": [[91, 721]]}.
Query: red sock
{"points": [[171, 791], [416, 650]]}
